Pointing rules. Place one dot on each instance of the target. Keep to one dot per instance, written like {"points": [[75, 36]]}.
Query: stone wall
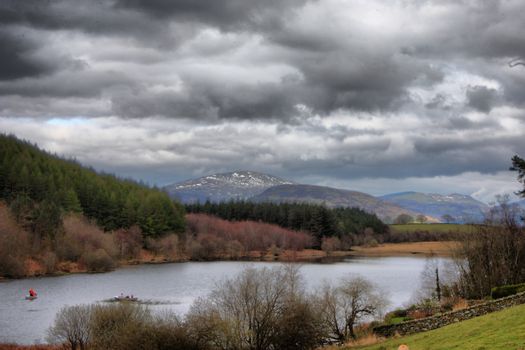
{"points": [[437, 321]]}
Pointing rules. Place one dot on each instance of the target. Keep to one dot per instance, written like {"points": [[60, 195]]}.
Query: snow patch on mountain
{"points": [[225, 186]]}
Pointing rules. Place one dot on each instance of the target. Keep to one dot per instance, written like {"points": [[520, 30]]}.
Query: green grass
{"points": [[433, 228], [396, 320], [503, 330]]}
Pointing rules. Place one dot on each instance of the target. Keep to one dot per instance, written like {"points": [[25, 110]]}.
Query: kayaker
{"points": [[32, 292]]}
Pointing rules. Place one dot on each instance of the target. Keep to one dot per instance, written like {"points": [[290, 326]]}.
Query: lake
{"points": [[175, 286]]}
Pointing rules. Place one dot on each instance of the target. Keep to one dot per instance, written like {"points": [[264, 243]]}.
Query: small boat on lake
{"points": [[125, 298], [32, 294]]}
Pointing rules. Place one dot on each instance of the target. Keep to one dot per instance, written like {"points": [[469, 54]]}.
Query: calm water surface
{"points": [[174, 286]]}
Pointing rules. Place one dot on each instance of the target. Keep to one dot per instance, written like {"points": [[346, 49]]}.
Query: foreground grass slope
{"points": [[503, 330]]}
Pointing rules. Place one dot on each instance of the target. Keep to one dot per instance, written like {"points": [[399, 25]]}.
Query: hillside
{"points": [[501, 330], [237, 185], [332, 198], [460, 208], [40, 187]]}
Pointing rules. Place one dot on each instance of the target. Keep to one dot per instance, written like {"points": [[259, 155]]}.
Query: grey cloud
{"points": [[481, 98], [77, 83], [463, 123], [18, 59], [474, 29], [514, 86], [259, 84], [98, 17], [439, 101], [227, 15], [207, 100]]}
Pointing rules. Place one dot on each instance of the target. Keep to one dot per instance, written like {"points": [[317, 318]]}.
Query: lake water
{"points": [[175, 286]]}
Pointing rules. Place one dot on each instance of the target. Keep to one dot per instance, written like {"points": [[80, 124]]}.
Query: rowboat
{"points": [[125, 298]]}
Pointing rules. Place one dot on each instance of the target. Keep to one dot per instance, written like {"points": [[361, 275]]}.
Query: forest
{"points": [[317, 219], [39, 187]]}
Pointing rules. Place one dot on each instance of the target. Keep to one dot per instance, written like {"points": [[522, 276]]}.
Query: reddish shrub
{"points": [[81, 236], [128, 242], [330, 244], [214, 237], [14, 245]]}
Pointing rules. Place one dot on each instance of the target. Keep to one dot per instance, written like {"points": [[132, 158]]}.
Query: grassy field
{"points": [[433, 228], [503, 330], [442, 248]]}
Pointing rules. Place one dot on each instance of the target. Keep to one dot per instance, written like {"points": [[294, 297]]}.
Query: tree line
{"points": [[40, 187], [317, 219]]}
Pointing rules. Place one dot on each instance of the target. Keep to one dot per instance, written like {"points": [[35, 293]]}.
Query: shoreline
{"points": [[422, 249]]}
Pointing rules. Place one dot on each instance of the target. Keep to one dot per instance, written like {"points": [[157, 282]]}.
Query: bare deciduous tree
{"points": [[72, 326], [255, 311], [343, 307], [494, 255]]}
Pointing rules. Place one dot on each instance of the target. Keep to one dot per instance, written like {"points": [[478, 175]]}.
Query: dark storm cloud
{"points": [[473, 29], [344, 67], [481, 98], [67, 83], [352, 81], [226, 14], [97, 17], [208, 101], [17, 57]]}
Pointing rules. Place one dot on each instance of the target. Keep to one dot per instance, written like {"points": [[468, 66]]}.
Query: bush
{"points": [[14, 246], [128, 242], [72, 327], [49, 262], [82, 237], [505, 291], [210, 237], [330, 244], [119, 327], [97, 261]]}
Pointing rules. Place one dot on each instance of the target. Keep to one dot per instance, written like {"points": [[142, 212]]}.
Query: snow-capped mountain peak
{"points": [[238, 184]]}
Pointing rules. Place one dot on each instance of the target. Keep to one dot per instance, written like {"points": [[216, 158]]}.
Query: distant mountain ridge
{"points": [[237, 185], [332, 197], [462, 208], [260, 187]]}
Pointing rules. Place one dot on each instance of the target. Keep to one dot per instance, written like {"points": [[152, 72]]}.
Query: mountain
{"points": [[332, 197], [223, 187], [461, 208], [520, 203]]}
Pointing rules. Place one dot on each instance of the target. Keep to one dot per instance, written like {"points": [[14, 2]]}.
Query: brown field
{"points": [[291, 255], [444, 248]]}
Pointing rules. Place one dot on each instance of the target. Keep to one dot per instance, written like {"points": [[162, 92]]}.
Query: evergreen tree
{"points": [[41, 187]]}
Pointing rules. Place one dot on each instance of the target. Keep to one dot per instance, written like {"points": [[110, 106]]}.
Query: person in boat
{"points": [[32, 293]]}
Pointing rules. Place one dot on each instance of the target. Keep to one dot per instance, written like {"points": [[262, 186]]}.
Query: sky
{"points": [[368, 95]]}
